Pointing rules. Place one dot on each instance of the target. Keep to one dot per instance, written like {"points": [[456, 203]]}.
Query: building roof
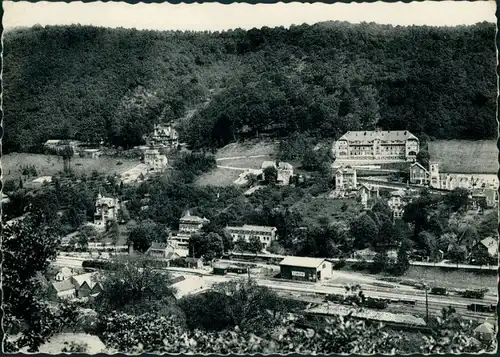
{"points": [[43, 179], [398, 193], [85, 278], [187, 286], [268, 164], [285, 166], [151, 152], [160, 246], [419, 165], [64, 285], [249, 227], [491, 244], [389, 135], [485, 327], [304, 262], [105, 201], [52, 141], [65, 271], [345, 169], [188, 218]]}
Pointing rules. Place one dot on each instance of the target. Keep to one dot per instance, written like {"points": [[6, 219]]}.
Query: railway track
{"points": [[416, 310]]}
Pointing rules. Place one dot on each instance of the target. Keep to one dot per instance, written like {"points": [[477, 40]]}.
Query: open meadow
{"points": [[218, 177], [49, 165], [465, 156], [246, 155], [248, 148]]}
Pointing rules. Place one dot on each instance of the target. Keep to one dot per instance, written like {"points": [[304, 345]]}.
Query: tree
{"points": [[381, 262], [133, 285], [389, 235], [114, 232], [457, 253], [428, 243], [481, 257], [270, 174], [458, 199], [142, 236], [247, 303], [488, 225], [208, 245], [67, 154], [381, 207], [423, 158], [364, 230], [254, 244], [402, 262], [28, 249]]}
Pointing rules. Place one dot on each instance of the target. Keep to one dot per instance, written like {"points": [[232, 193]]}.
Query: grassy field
{"points": [[452, 279], [218, 177], [48, 165], [464, 156], [248, 148]]}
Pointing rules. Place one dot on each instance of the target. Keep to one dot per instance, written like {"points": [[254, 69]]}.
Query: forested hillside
{"points": [[95, 84]]}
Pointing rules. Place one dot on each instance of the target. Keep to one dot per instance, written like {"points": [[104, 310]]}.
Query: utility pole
{"points": [[426, 305]]}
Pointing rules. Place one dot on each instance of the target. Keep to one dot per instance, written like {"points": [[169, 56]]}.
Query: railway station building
{"points": [[305, 269]]}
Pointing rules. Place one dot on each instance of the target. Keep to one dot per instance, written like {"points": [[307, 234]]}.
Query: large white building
{"points": [[265, 234], [384, 146]]}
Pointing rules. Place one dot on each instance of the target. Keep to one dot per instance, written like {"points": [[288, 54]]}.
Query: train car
{"points": [[408, 302], [439, 291], [473, 294], [379, 304], [482, 308]]}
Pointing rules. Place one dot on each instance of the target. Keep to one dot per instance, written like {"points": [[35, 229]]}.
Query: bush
{"points": [[361, 265], [340, 264]]}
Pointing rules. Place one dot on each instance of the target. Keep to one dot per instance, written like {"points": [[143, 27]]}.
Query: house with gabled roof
{"points": [[64, 273], [419, 175], [62, 290], [165, 251]]}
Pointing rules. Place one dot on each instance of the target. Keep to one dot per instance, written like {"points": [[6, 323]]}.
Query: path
{"points": [[233, 168], [240, 157]]}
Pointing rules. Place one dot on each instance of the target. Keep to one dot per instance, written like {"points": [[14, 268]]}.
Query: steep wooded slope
{"points": [[93, 83]]}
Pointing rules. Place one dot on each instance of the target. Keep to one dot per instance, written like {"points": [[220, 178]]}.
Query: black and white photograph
{"points": [[249, 179]]}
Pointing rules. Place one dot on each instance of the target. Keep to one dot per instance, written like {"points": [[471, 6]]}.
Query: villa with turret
{"points": [[106, 209]]}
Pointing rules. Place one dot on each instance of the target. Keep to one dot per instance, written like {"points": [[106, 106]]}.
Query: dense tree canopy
{"points": [[97, 84]]}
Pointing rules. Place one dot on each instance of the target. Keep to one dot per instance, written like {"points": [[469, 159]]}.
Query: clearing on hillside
{"points": [[218, 177], [49, 165], [248, 148], [465, 156]]}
